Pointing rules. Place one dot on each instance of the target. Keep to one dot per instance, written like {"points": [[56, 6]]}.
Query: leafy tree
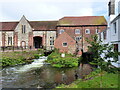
{"points": [[102, 54]]}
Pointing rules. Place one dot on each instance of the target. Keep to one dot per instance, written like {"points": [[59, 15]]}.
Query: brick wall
{"points": [[82, 43], [65, 38]]}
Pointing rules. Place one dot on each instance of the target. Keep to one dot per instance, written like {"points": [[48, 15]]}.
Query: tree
{"points": [[102, 54]]}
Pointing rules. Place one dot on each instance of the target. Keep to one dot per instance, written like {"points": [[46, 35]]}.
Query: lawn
{"points": [[96, 80]]}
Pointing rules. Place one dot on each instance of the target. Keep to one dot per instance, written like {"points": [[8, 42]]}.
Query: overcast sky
{"points": [[38, 10]]}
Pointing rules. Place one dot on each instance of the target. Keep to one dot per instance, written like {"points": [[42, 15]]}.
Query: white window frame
{"points": [[97, 31], [88, 31], [61, 31], [51, 41], [77, 31], [63, 44], [79, 37]]}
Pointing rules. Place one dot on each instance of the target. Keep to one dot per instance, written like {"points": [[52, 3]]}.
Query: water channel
{"points": [[38, 75]]}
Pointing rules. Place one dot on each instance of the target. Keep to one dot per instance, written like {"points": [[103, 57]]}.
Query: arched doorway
{"points": [[37, 42]]}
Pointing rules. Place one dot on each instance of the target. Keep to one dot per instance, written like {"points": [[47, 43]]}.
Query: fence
{"points": [[14, 48]]}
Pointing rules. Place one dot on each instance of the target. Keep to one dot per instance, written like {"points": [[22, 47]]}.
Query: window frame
{"points": [[115, 27], [61, 31], [64, 43], [9, 41], [88, 31], [76, 31], [51, 41], [97, 31], [23, 29], [78, 37]]}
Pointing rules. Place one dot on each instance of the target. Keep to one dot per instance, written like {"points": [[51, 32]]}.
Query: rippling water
{"points": [[37, 74]]}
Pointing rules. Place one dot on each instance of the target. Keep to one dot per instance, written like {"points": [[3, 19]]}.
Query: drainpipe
{"points": [[82, 40]]}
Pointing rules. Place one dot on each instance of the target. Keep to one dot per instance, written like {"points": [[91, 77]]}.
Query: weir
{"points": [[36, 64]]}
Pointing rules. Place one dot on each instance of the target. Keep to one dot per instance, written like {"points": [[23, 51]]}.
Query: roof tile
{"points": [[83, 20]]}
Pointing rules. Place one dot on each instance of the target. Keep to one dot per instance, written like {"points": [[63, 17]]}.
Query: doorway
{"points": [[37, 42]]}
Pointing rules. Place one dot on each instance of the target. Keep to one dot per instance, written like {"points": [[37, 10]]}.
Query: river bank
{"points": [[18, 57], [95, 79]]}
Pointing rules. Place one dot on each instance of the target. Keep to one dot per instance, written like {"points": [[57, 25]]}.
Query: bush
{"points": [[57, 61], [36, 56], [6, 61]]}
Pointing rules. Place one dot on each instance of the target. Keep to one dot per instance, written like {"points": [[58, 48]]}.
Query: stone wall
{"points": [[48, 35], [23, 37]]}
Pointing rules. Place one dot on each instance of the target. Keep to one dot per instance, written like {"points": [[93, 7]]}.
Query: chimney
{"points": [[111, 6]]}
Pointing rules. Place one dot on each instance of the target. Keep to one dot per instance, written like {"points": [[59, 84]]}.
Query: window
{"points": [[78, 38], [64, 44], [97, 31], [114, 25], [23, 28], [9, 40], [51, 40], [77, 31], [87, 31], [116, 47], [104, 35], [61, 31]]}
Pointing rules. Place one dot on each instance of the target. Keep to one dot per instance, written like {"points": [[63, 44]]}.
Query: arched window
{"points": [[61, 31], [23, 44], [87, 31], [77, 31]]}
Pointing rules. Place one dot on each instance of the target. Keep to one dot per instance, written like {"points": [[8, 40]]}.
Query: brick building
{"points": [[80, 28], [37, 34]]}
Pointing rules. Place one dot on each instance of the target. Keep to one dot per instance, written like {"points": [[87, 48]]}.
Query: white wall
{"points": [[119, 7]]}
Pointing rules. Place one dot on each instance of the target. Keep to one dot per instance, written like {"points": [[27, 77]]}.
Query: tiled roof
{"points": [[36, 25], [43, 25], [51, 25], [9, 26], [83, 20]]}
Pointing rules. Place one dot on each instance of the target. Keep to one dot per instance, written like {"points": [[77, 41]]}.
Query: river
{"points": [[38, 75]]}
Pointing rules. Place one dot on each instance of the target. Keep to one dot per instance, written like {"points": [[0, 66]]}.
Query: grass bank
{"points": [[96, 80], [57, 61], [18, 57]]}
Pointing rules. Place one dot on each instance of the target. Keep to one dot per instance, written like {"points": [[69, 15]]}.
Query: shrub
{"points": [[56, 61], [36, 56], [6, 61]]}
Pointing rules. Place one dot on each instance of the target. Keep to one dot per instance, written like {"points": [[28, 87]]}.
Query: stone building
{"points": [[39, 34], [28, 34]]}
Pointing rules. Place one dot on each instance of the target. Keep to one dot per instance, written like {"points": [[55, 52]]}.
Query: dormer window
{"points": [[23, 28], [61, 31], [77, 31]]}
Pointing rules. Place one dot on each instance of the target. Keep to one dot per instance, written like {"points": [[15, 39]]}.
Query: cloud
{"points": [[85, 12], [51, 9]]}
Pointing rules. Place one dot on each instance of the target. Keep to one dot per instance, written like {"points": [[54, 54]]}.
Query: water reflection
{"points": [[45, 77]]}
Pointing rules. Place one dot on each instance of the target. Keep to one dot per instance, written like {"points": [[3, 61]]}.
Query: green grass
{"points": [[18, 57], [57, 61], [99, 80]]}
